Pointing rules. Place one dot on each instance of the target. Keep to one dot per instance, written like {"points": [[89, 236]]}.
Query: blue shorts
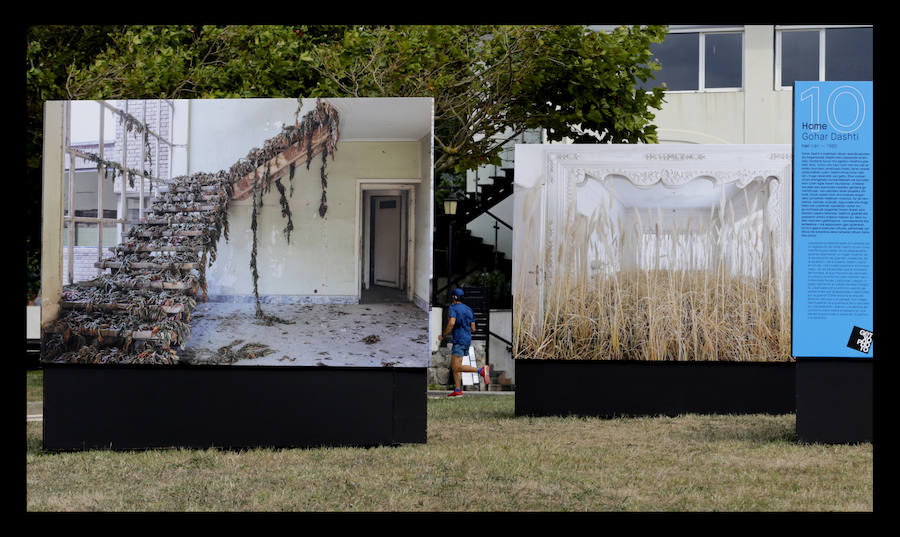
{"points": [[459, 350]]}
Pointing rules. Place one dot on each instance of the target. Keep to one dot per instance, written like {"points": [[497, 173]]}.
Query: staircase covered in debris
{"points": [[140, 311]]}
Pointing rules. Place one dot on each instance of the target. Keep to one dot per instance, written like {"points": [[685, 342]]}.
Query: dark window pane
{"points": [[679, 56], [723, 61], [799, 56], [848, 54]]}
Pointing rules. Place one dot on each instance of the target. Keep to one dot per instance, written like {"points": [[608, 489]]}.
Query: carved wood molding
{"points": [[673, 178]]}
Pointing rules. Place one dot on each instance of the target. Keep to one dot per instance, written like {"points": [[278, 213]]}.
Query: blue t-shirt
{"points": [[462, 328]]}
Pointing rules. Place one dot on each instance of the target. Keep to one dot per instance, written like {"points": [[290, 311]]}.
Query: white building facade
{"points": [[733, 84]]}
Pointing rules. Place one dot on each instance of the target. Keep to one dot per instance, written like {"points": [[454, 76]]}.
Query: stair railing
{"points": [[497, 222]]}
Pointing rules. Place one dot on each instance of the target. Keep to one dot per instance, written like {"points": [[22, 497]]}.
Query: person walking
{"points": [[461, 323]]}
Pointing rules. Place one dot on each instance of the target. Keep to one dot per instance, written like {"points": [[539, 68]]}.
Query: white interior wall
{"points": [[599, 202], [320, 260]]}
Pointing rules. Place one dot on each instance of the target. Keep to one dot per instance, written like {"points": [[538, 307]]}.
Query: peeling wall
{"points": [[320, 259]]}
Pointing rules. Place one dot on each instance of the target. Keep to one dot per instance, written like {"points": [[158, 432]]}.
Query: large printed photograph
{"points": [[276, 232], [652, 253]]}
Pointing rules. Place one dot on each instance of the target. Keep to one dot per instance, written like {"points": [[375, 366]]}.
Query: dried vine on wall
{"points": [[320, 123]]}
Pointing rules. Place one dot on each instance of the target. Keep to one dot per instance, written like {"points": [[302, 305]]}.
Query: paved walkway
{"points": [[434, 394], [34, 411]]}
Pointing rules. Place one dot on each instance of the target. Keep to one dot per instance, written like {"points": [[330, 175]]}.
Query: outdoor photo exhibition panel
{"points": [[642, 261], [232, 245], [833, 257]]}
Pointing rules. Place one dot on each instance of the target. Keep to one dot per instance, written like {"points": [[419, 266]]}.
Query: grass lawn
{"points": [[479, 457]]}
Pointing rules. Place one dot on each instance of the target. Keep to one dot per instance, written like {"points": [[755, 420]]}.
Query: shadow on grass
{"points": [[740, 428], [34, 440], [752, 428]]}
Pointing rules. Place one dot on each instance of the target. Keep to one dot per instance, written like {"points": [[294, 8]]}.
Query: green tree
{"points": [[184, 62], [491, 83]]}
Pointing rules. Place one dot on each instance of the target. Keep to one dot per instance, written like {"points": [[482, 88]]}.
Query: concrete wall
{"points": [[85, 257], [754, 114], [501, 359]]}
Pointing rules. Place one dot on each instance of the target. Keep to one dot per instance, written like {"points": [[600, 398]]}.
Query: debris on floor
{"points": [[228, 355], [337, 334]]}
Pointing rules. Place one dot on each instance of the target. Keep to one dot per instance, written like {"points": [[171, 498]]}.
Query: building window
{"points": [[722, 59], [92, 200], [699, 61], [819, 54]]}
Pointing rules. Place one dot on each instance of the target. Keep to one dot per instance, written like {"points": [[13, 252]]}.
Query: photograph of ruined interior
{"points": [[271, 232], [653, 252]]}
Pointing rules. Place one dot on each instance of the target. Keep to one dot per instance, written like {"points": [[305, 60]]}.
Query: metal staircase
{"points": [[471, 255]]}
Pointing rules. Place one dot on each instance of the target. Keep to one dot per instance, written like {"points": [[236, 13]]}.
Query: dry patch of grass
{"points": [[480, 457]]}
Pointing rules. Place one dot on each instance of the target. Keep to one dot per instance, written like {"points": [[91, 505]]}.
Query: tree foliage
{"points": [[184, 62], [491, 83]]}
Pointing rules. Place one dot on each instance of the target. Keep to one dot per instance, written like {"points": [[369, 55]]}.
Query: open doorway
{"points": [[385, 239]]}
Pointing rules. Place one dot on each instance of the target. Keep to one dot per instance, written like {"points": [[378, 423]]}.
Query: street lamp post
{"points": [[451, 202]]}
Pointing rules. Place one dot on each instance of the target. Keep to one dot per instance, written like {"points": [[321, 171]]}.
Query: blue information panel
{"points": [[832, 289]]}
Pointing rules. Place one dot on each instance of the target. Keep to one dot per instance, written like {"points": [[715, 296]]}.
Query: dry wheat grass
{"points": [[652, 288]]}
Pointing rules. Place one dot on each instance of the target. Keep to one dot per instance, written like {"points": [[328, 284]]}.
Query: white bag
{"points": [[469, 379]]}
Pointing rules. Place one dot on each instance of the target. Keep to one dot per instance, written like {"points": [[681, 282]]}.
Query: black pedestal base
{"points": [[636, 388], [140, 407], [834, 400]]}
